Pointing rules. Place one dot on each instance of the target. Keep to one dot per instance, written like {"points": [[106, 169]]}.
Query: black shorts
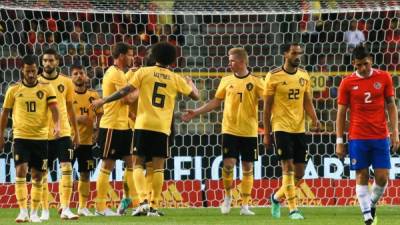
{"points": [[33, 152], [60, 149], [151, 144], [235, 146], [115, 144], [291, 146], [84, 155]]}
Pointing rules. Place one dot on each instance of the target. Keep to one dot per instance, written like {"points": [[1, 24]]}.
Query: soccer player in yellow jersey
{"points": [[30, 100], [287, 100], [115, 136], [86, 119], [60, 148], [158, 89], [241, 93]]}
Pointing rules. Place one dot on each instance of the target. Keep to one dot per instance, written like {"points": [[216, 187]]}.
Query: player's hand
{"points": [[132, 116], [76, 141], [56, 131], [189, 80], [267, 140], [95, 135], [394, 140], [186, 117], [316, 126], [1, 144], [96, 104], [340, 151], [134, 68]]}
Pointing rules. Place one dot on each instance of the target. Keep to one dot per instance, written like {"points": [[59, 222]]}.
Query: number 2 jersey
{"points": [[30, 109], [158, 89], [288, 113], [366, 100]]}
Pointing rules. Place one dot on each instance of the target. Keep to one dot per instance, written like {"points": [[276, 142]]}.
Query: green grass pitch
{"points": [[212, 216]]}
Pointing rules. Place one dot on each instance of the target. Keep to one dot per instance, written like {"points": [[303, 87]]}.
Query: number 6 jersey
{"points": [[288, 90], [158, 87], [365, 97]]}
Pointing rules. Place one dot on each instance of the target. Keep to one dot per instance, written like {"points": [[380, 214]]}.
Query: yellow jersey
{"points": [[158, 89], [64, 89], [288, 113], [132, 108], [115, 113], [241, 96], [81, 103], [29, 106]]}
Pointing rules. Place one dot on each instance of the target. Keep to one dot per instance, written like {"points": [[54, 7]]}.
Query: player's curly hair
{"points": [[164, 53]]}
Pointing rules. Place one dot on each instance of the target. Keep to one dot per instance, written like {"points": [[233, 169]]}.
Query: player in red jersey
{"points": [[365, 93]]}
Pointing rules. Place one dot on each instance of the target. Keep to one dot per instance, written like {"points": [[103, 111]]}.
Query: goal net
{"points": [[204, 30]]}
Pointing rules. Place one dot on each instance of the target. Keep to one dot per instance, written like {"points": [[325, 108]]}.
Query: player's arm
{"points": [[392, 109], [268, 102], [113, 97], [3, 125], [55, 115], [195, 92], [131, 98], [73, 122], [191, 113], [97, 126], [340, 124], [310, 110]]}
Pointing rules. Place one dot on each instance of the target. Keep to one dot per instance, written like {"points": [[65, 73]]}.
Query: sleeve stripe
{"points": [[51, 97]]}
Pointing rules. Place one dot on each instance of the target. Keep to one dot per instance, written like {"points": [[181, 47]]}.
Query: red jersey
{"points": [[366, 100]]}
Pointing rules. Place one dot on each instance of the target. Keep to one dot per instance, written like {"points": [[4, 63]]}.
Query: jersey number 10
{"points": [[30, 106]]}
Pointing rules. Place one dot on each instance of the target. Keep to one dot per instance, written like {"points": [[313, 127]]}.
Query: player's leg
{"points": [[107, 145], [85, 164], [157, 184], [360, 160], [21, 156], [36, 193], [230, 154], [381, 164], [130, 192], [65, 156], [52, 156], [249, 153], [38, 164], [149, 179], [140, 185]]}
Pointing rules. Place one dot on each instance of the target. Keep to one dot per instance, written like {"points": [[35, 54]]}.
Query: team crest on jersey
{"points": [[40, 94], [231, 86], [61, 88], [353, 162], [249, 86], [226, 150], [279, 151], [355, 88], [16, 157], [75, 102], [302, 81], [377, 85], [91, 99]]}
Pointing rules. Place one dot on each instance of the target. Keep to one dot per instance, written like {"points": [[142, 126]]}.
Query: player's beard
{"points": [[49, 70], [80, 83], [295, 63]]}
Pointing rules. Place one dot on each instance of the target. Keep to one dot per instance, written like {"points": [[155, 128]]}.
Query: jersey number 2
{"points": [[158, 100], [367, 98]]}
